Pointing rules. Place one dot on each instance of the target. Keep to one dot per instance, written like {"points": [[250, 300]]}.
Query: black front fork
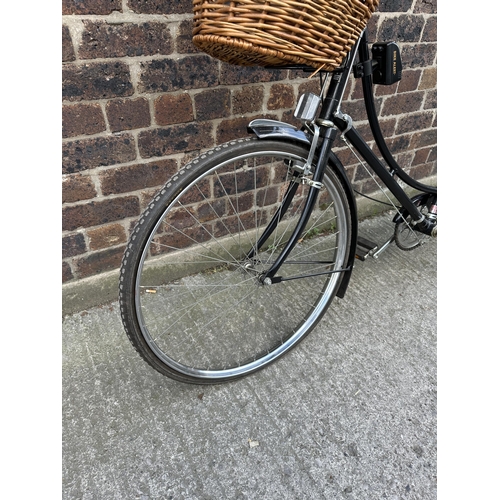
{"points": [[328, 137], [327, 133]]}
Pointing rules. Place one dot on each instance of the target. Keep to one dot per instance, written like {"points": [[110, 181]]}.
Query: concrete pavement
{"points": [[349, 414]]}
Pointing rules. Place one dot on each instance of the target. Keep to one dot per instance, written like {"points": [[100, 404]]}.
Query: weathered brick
{"points": [[212, 104], [99, 151], [101, 40], [402, 28], [237, 75], [135, 177], [96, 213], [422, 139], [411, 122], [68, 52], [96, 81], [175, 139], [421, 156], [106, 236], [107, 220], [128, 114], [72, 245], [402, 103], [99, 262], [422, 171], [77, 187], [67, 273], [409, 80], [312, 85], [248, 99], [167, 75], [281, 96], [432, 154], [99, 7], [425, 7], [430, 30], [394, 5], [399, 144], [431, 100], [171, 109], [161, 6], [429, 79], [418, 55], [236, 127], [82, 119], [356, 108], [183, 40]]}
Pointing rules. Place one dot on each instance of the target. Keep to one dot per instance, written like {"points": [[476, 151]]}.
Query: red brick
{"points": [[136, 177], [99, 262], [77, 187], [425, 138], [402, 28], [425, 7], [96, 81], [106, 236], [171, 109], [248, 100], [212, 104], [189, 72], [164, 7], [431, 100], [418, 55], [236, 127], [102, 40], [128, 114], [67, 273], [68, 52], [409, 81], [175, 139], [73, 244], [429, 79], [402, 103], [82, 119], [99, 151], [97, 213], [237, 75], [312, 85], [183, 41], [430, 30], [281, 96], [99, 7], [414, 122], [421, 156]]}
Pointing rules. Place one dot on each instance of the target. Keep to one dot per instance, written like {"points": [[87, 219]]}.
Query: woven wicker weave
{"points": [[318, 33]]}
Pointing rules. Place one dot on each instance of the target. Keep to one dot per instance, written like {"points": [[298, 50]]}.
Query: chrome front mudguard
{"points": [[273, 129]]}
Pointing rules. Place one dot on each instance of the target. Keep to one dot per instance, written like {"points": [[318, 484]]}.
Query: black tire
{"points": [[191, 303]]}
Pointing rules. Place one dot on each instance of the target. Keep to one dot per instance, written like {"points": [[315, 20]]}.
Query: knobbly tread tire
{"points": [[126, 288], [138, 240]]}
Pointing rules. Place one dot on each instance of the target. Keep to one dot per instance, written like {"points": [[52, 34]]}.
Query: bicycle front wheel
{"points": [[192, 300]]}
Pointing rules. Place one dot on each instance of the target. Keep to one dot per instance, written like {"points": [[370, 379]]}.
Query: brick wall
{"points": [[139, 101]]}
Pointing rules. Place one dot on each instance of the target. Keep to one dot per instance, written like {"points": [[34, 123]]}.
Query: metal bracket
{"points": [[310, 182], [314, 143], [348, 121]]}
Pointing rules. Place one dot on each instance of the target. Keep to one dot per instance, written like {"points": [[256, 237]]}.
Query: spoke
{"points": [[190, 305]]}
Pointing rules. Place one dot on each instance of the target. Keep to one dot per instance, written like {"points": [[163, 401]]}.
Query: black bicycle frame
{"points": [[331, 120]]}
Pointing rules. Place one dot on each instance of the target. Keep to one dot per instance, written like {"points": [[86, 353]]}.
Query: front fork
{"points": [[315, 185]]}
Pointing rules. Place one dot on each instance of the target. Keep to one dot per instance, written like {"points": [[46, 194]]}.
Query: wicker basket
{"points": [[318, 33]]}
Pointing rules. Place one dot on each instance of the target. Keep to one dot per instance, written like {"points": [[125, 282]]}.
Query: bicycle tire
{"points": [[191, 300]]}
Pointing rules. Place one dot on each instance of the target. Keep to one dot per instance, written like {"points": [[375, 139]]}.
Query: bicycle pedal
{"points": [[365, 248]]}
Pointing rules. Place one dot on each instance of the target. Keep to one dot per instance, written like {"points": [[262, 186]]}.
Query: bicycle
{"points": [[241, 253]]}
